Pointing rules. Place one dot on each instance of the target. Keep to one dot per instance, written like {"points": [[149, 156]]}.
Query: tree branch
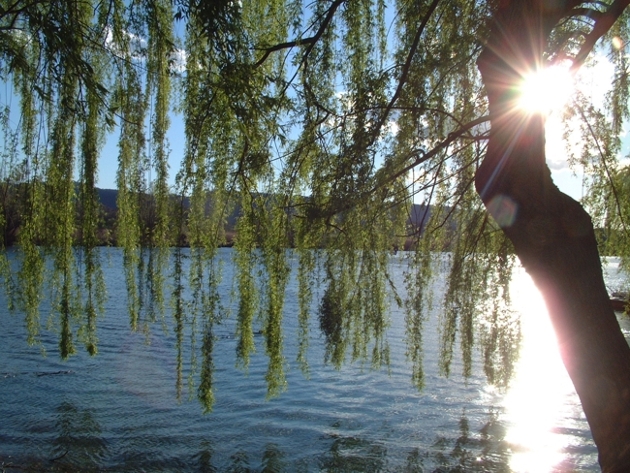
{"points": [[407, 65], [602, 26], [310, 41], [281, 46], [441, 146], [349, 203]]}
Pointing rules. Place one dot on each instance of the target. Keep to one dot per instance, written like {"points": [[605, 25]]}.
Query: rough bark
{"points": [[552, 234]]}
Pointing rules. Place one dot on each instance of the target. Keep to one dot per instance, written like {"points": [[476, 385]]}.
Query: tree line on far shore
{"points": [[15, 199]]}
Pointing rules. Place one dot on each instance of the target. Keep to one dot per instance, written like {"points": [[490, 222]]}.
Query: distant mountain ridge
{"points": [[418, 216], [108, 198]]}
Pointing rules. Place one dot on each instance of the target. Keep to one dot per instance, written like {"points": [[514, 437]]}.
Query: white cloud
{"points": [[178, 60], [134, 48]]}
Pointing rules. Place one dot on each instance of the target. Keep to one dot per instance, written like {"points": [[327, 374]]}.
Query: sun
{"points": [[546, 90]]}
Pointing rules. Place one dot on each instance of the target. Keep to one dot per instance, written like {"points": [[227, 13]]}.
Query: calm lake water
{"points": [[118, 411]]}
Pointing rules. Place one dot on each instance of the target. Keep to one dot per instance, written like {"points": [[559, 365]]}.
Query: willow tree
{"points": [[320, 122]]}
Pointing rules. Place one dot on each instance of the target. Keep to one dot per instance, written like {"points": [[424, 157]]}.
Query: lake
{"points": [[118, 411]]}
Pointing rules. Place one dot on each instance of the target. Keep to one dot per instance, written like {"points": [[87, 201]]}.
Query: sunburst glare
{"points": [[541, 392], [547, 89]]}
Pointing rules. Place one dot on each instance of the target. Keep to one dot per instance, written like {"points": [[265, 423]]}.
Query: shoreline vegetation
{"points": [[15, 200]]}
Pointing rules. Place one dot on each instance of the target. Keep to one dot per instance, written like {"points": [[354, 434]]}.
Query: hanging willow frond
{"points": [[334, 132]]}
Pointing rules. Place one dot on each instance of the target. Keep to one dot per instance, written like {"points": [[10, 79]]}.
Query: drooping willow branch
{"points": [[609, 176], [603, 24], [437, 149], [423, 157], [299, 42]]}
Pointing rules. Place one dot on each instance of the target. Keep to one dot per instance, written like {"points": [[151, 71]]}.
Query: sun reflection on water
{"points": [[541, 392]]}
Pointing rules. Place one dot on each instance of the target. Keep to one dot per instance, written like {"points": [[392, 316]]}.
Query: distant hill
{"points": [[108, 198], [418, 216]]}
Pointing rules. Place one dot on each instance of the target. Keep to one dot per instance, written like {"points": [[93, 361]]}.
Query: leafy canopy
{"points": [[321, 122]]}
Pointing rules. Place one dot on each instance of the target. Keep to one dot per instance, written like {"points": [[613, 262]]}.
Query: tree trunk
{"points": [[552, 234]]}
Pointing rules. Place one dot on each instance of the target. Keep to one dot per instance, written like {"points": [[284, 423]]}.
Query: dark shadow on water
{"points": [[350, 454], [273, 460], [203, 460], [486, 451], [79, 446], [78, 443], [239, 463]]}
